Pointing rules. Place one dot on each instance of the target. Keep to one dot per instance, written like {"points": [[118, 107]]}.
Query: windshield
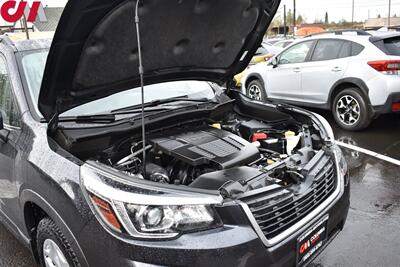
{"points": [[33, 64]]}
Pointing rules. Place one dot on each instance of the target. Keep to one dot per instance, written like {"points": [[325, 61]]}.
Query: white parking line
{"points": [[370, 153]]}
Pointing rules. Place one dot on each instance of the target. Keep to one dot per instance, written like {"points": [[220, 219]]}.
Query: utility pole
{"points": [[294, 17], [284, 20], [352, 14], [390, 10], [25, 26]]}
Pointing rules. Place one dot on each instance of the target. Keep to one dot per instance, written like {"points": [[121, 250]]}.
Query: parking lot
{"points": [[372, 227]]}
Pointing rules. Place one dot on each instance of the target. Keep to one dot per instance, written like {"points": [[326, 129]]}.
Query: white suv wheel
{"points": [[348, 110], [255, 91]]}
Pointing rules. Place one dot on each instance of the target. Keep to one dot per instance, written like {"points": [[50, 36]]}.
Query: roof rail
{"points": [[340, 32]]}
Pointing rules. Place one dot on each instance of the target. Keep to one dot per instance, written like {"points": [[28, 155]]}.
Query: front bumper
{"points": [[236, 244]]}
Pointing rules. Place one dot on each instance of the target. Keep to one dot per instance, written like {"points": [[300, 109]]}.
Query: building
{"points": [[378, 23], [53, 15], [307, 29]]}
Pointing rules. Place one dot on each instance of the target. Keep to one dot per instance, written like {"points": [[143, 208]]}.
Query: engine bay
{"points": [[210, 155], [232, 147]]}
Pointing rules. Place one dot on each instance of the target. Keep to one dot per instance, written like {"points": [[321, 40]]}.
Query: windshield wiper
{"points": [[162, 101], [99, 118]]}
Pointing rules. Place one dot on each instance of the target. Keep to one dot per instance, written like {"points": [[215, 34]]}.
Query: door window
{"points": [[327, 50], [8, 105], [296, 54], [346, 50]]}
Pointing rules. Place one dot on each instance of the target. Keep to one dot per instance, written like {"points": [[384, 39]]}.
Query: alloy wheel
{"points": [[255, 92], [53, 255], [348, 110]]}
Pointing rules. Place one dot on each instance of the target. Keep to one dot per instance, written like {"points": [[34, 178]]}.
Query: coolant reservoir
{"points": [[292, 140]]}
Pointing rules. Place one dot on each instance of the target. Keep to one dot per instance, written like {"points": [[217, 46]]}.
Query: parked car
{"points": [[272, 41], [215, 180], [355, 76], [283, 44], [264, 53], [271, 49]]}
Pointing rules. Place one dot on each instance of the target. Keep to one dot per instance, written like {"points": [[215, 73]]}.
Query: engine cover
{"points": [[206, 145]]}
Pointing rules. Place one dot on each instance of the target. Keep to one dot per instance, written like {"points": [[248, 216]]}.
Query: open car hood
{"points": [[94, 52]]}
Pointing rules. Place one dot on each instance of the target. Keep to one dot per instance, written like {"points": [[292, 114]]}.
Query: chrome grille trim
{"points": [[312, 216]]}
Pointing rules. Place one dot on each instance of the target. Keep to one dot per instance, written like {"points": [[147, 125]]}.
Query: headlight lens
{"points": [[172, 219], [146, 213]]}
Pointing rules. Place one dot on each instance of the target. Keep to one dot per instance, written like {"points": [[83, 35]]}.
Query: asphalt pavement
{"points": [[382, 136], [371, 236], [12, 253]]}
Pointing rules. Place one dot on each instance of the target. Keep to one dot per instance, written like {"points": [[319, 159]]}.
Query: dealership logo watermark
{"points": [[12, 11]]}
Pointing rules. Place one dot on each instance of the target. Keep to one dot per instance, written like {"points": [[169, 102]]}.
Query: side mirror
{"points": [[274, 62]]}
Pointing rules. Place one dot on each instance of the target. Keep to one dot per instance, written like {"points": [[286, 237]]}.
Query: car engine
{"points": [[207, 156]]}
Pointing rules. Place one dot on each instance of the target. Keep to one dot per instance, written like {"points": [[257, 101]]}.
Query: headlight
{"points": [[171, 219], [143, 212]]}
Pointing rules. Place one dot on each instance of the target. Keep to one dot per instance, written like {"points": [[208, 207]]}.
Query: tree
{"points": [[326, 18], [300, 20], [289, 17]]}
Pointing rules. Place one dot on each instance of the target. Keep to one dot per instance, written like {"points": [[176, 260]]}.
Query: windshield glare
{"points": [[33, 64]]}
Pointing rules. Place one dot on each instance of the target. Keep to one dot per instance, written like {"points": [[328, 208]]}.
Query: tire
{"points": [[49, 234], [350, 110], [256, 91]]}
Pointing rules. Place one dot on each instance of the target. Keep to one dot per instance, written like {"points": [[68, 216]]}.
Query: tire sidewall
{"points": [[259, 84], [47, 229], [364, 119]]}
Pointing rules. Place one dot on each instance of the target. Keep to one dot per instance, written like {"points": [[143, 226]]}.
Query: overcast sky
{"points": [[315, 9], [341, 9]]}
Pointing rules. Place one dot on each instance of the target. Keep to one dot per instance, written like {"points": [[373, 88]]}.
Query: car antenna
{"points": [[141, 73]]}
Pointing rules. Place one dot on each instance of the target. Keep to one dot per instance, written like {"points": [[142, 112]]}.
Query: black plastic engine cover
{"points": [[206, 146], [215, 180]]}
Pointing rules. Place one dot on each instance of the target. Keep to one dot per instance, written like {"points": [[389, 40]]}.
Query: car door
{"points": [[328, 64], [283, 81], [8, 143]]}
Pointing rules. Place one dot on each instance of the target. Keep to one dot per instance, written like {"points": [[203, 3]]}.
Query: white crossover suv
{"points": [[355, 76]]}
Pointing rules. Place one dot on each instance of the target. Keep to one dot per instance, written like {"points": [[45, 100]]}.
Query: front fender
{"points": [[30, 196]]}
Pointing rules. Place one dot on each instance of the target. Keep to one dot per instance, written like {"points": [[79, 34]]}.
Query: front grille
{"points": [[277, 211]]}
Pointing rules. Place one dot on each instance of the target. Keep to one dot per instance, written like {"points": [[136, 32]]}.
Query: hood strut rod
{"points": [[141, 73]]}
